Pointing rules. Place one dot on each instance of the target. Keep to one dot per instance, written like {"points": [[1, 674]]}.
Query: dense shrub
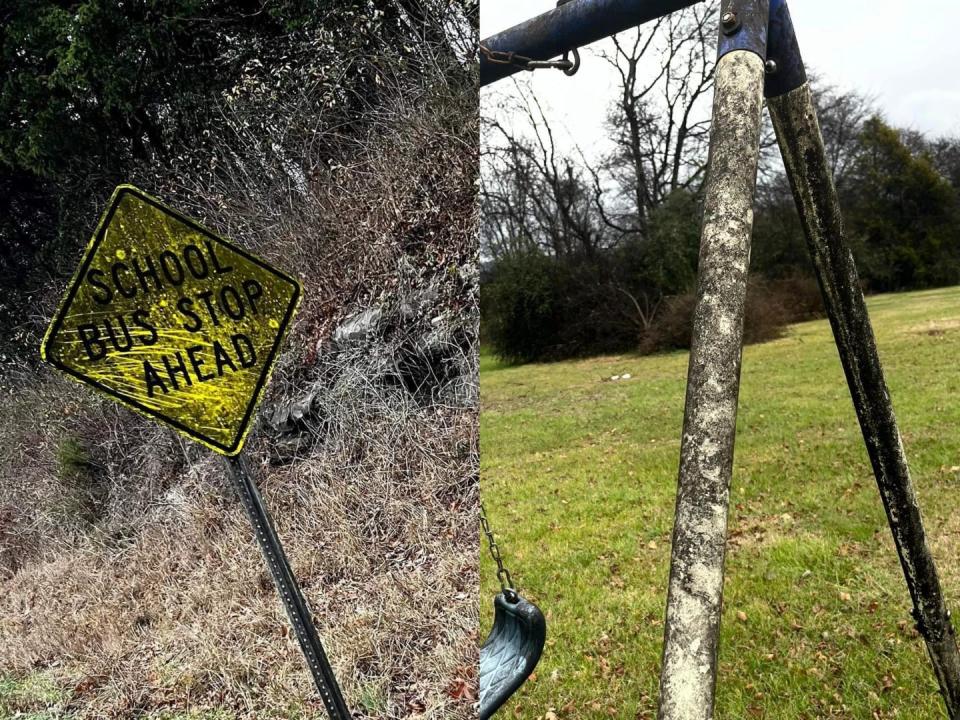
{"points": [[546, 307], [539, 307], [904, 215], [771, 306], [523, 303]]}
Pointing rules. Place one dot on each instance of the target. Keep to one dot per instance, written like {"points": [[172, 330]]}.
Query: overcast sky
{"points": [[905, 54]]}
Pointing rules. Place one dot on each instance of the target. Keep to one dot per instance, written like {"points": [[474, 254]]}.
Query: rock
{"points": [[359, 328], [292, 415]]}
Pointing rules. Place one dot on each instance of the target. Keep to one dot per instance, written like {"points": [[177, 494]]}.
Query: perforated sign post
{"points": [[184, 327]]}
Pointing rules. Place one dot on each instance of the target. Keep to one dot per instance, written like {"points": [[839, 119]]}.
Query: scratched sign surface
{"points": [[173, 321]]}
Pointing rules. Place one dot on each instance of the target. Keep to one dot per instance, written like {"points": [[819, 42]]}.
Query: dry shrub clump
{"points": [[128, 573], [771, 306]]}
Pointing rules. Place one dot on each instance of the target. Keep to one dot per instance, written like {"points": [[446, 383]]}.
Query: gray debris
{"points": [[360, 328], [413, 345]]}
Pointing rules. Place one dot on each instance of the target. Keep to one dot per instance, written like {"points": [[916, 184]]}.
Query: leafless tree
{"points": [[534, 194], [660, 120], [841, 114], [540, 195]]}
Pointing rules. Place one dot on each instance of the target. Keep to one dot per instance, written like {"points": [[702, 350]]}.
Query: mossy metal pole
{"points": [[689, 669], [287, 587], [801, 143]]}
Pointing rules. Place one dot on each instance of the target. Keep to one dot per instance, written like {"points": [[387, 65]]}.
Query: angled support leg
{"points": [[801, 143], [689, 668]]}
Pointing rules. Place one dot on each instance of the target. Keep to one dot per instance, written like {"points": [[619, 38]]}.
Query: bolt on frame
{"points": [[758, 57]]}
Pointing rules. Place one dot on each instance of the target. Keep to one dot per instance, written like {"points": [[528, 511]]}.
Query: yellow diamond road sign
{"points": [[173, 321]]}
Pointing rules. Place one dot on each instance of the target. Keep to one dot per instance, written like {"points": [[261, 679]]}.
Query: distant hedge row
{"points": [[539, 308], [902, 213]]}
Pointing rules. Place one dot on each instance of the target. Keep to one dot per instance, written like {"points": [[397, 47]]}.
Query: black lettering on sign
{"points": [[172, 269], [197, 362], [141, 275], [179, 369], [205, 296], [142, 318], [215, 261], [180, 372], [232, 304], [153, 379], [223, 360], [145, 272], [245, 351], [254, 291], [172, 320], [119, 336], [90, 337], [128, 291], [105, 294], [185, 306], [196, 262]]}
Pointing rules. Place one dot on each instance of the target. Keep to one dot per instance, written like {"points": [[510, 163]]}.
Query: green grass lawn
{"points": [[39, 697], [578, 474]]}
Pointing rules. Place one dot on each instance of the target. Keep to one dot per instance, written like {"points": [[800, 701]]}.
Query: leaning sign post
{"points": [[184, 327]]}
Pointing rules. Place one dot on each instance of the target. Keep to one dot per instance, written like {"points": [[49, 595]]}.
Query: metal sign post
{"points": [[758, 55], [286, 584], [184, 327]]}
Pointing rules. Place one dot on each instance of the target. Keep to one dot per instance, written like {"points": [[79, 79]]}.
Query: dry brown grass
{"points": [[183, 614]]}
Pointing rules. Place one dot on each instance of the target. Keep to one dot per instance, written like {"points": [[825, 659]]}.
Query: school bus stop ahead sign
{"points": [[173, 321]]}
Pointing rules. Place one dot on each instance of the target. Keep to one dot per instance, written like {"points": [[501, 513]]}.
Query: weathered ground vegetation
{"points": [[342, 148]]}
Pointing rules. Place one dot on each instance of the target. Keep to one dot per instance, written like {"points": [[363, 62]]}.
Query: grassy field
{"points": [[39, 698], [578, 474]]}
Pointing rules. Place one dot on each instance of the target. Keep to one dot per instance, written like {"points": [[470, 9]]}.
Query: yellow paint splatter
{"points": [[185, 331]]}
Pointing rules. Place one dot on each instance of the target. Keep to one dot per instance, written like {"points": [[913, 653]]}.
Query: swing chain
{"points": [[505, 57], [503, 574]]}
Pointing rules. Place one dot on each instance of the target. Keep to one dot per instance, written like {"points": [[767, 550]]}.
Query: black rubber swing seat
{"points": [[510, 652]]}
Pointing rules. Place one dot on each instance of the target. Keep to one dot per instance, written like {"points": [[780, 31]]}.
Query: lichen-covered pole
{"points": [[801, 143], [688, 674]]}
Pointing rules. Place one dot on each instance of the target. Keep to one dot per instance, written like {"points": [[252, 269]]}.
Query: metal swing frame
{"points": [[759, 57]]}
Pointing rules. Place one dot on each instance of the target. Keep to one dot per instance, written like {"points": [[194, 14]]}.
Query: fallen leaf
{"points": [[461, 689]]}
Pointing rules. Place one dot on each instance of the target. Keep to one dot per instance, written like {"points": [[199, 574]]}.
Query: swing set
{"points": [[758, 59]]}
